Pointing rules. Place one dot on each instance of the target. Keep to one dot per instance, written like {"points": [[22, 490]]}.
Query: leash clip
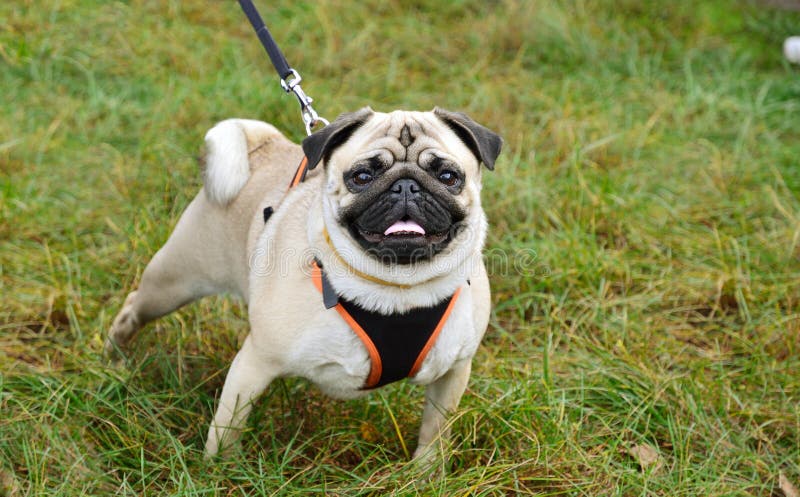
{"points": [[291, 84]]}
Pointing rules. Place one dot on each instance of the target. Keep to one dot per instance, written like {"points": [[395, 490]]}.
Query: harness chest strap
{"points": [[397, 344]]}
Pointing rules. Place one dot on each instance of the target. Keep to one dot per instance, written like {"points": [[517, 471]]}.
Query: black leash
{"points": [[290, 79]]}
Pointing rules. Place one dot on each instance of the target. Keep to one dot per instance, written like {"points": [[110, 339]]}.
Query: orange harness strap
{"points": [[300, 174], [429, 344], [376, 367], [404, 363]]}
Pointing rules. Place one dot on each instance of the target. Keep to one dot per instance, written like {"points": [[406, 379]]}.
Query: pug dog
{"points": [[387, 225]]}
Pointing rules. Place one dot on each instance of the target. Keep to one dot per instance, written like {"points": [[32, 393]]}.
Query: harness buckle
{"points": [[291, 84]]}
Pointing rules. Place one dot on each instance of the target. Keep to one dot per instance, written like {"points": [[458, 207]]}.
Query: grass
{"points": [[647, 203]]}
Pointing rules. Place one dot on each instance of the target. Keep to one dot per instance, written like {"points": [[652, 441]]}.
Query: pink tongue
{"points": [[407, 226]]}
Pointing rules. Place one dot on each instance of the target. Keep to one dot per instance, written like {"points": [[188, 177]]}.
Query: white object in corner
{"points": [[791, 49]]}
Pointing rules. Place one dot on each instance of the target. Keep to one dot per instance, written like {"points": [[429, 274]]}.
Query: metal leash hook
{"points": [[309, 115], [290, 79]]}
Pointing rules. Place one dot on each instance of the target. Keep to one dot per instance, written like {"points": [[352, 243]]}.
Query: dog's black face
{"points": [[403, 212]]}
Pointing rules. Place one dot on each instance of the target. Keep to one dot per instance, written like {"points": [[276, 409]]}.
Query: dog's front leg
{"points": [[441, 399], [248, 377]]}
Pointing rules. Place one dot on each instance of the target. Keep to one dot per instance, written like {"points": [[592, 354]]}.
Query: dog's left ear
{"points": [[320, 145], [483, 142]]}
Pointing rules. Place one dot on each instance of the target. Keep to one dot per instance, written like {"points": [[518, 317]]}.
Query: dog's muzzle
{"points": [[406, 223]]}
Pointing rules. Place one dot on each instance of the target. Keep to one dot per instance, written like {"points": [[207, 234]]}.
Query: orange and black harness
{"points": [[397, 343]]}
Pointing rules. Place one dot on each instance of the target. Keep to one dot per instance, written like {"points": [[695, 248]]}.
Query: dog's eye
{"points": [[449, 178], [362, 178]]}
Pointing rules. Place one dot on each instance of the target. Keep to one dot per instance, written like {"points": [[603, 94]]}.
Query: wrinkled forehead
{"points": [[407, 136]]}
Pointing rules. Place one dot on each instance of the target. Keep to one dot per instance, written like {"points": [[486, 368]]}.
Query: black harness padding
{"points": [[399, 338]]}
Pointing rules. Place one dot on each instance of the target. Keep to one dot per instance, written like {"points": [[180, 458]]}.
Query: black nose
{"points": [[405, 186]]}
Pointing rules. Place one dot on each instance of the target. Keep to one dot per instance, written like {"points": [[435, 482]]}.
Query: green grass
{"points": [[649, 193]]}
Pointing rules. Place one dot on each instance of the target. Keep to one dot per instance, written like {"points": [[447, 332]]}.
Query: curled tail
{"points": [[227, 166]]}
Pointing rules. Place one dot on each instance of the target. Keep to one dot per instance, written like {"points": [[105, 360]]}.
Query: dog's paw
{"points": [[221, 444], [122, 329], [426, 469], [429, 463]]}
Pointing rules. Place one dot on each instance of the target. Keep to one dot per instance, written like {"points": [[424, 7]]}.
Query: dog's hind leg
{"points": [[205, 254], [192, 264], [164, 288]]}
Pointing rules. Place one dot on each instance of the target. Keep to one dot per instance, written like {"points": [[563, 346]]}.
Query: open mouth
{"points": [[404, 227], [403, 231]]}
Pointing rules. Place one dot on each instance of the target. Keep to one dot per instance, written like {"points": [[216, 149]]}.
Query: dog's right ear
{"points": [[321, 144]]}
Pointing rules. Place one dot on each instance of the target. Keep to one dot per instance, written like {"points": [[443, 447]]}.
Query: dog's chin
{"points": [[402, 247]]}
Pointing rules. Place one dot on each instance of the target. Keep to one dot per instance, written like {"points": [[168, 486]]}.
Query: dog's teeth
{"points": [[405, 227]]}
